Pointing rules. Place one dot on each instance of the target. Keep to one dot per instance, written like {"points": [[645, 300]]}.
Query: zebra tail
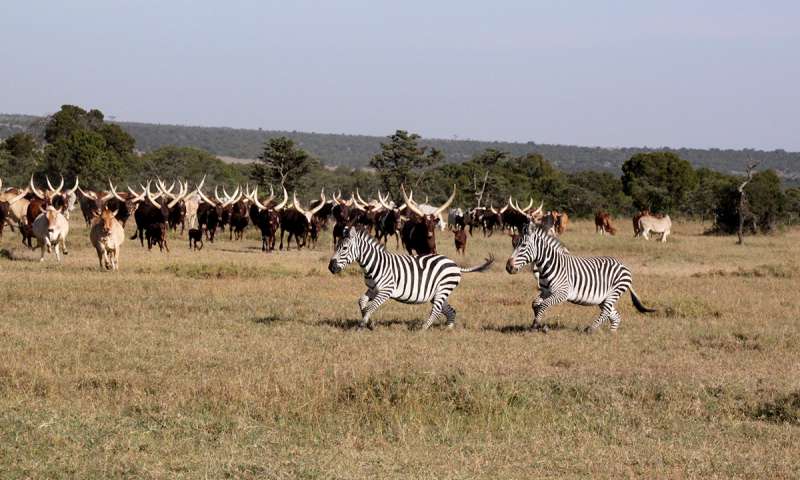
{"points": [[484, 266], [638, 303]]}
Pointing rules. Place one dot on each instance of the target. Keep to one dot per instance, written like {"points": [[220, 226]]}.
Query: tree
{"points": [[659, 181], [187, 163], [702, 201], [81, 144], [756, 203], [283, 163], [402, 161], [21, 155]]}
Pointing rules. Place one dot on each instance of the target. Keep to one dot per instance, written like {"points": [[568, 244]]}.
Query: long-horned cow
{"points": [[299, 222], [154, 214], [419, 232], [51, 228], [266, 216], [107, 235]]}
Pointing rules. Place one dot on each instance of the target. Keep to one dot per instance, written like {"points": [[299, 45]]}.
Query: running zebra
{"points": [[407, 279], [565, 277]]}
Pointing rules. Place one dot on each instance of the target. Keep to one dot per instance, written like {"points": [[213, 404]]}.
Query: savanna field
{"points": [[232, 363]]}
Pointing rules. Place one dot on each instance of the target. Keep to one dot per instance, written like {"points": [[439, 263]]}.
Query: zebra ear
{"points": [[351, 232]]}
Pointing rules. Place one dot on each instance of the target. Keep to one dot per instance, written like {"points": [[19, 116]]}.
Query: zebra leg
{"points": [[541, 304], [604, 314], [439, 304], [615, 319], [372, 305], [450, 313], [362, 302]]}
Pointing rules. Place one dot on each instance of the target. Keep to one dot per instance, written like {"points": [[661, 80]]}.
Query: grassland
{"points": [[230, 363]]}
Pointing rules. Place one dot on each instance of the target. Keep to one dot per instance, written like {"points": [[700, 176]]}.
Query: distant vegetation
{"points": [[77, 142], [356, 150]]}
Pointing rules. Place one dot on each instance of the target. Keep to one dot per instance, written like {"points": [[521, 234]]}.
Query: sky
{"points": [[722, 74]]}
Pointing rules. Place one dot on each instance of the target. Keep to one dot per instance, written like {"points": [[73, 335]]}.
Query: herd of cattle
{"points": [[43, 214]]}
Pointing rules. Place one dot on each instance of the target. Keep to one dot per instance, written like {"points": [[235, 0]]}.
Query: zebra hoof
{"points": [[450, 326]]}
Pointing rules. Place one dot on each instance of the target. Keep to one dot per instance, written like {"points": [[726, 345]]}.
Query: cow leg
{"points": [[280, 247], [42, 246]]}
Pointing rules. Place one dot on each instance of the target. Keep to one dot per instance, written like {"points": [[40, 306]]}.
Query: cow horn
{"points": [[72, 190], [150, 197], [216, 195], [321, 203], [18, 197], [447, 203], [178, 197], [358, 195], [114, 191], [230, 199], [271, 194], [204, 198], [538, 211], [383, 202], [36, 192], [297, 205], [91, 195], [530, 204], [281, 205], [353, 202], [137, 197], [254, 198], [200, 186], [60, 186], [410, 203]]}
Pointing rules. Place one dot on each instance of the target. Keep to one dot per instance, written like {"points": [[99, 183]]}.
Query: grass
{"points": [[231, 363]]}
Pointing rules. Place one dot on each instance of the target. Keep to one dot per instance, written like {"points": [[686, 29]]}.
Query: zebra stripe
{"points": [[405, 278], [568, 278]]}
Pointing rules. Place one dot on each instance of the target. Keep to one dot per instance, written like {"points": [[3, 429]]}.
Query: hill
{"points": [[356, 150]]}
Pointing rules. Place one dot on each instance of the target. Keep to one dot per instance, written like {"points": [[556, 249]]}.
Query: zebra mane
{"points": [[540, 233], [370, 239]]}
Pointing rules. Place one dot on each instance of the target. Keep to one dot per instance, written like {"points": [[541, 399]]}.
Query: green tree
{"points": [[402, 161], [189, 164], [81, 144], [765, 204], [660, 181], [21, 155], [283, 163]]}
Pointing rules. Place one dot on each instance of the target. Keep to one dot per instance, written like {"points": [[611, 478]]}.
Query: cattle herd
{"points": [[361, 229], [43, 213]]}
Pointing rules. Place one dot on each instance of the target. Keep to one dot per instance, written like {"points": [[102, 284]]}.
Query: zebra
{"points": [[565, 277], [405, 278]]}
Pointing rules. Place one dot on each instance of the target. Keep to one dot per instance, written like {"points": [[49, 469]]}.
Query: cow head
{"points": [[106, 219], [430, 220]]}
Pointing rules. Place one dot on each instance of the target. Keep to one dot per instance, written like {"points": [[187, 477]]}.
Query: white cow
{"points": [[51, 228], [649, 224]]}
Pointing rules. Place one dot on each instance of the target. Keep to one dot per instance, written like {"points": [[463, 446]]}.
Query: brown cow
{"points": [[460, 239], [562, 219], [602, 223]]}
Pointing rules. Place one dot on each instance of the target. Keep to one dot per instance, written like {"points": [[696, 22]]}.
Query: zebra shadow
{"points": [[270, 320], [354, 324], [523, 328]]}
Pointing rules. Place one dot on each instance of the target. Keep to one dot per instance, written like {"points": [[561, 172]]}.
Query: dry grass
{"points": [[233, 363]]}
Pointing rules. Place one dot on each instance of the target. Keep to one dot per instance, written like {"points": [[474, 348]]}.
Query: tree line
{"points": [[75, 141]]}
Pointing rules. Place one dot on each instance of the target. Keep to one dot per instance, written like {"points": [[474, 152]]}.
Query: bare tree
{"points": [[479, 193], [744, 209]]}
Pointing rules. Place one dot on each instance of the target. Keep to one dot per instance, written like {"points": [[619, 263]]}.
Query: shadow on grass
{"points": [[270, 320], [353, 323], [523, 328]]}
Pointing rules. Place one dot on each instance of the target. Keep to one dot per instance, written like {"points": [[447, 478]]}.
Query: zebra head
{"points": [[534, 244], [346, 251], [524, 253]]}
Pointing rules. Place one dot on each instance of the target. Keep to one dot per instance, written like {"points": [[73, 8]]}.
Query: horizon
{"points": [[608, 147], [717, 75]]}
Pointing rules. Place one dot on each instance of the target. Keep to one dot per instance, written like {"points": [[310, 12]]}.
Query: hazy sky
{"points": [[671, 73]]}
